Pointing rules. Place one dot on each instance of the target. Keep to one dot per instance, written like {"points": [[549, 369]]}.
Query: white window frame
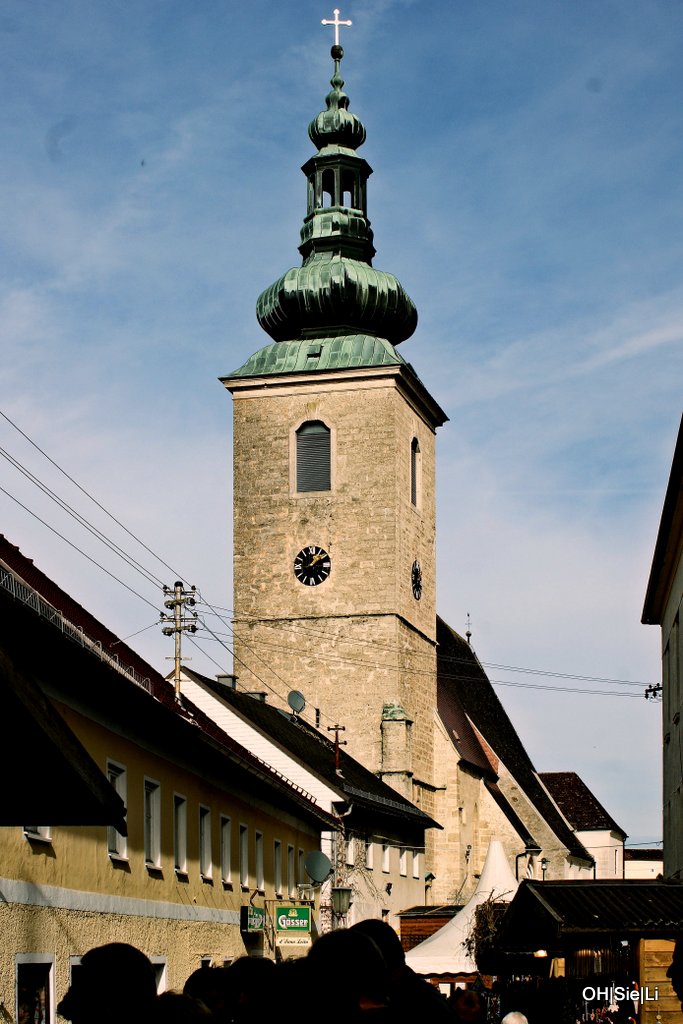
{"points": [[244, 856], [416, 864], [27, 959], [350, 851], [277, 866], [160, 965], [260, 878], [291, 876], [117, 844], [152, 822], [386, 858], [180, 834], [403, 862], [205, 845], [226, 849], [369, 855]]}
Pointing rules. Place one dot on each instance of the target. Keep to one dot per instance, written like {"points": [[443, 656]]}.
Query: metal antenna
{"points": [[468, 633]]}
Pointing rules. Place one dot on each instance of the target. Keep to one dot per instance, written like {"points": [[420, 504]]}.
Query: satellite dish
{"points": [[318, 866], [296, 701]]}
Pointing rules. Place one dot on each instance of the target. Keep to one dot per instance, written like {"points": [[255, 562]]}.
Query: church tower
{"points": [[334, 482]]}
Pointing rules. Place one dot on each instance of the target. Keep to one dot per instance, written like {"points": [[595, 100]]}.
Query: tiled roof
{"points": [[581, 808], [461, 680], [55, 637], [643, 854], [310, 748]]}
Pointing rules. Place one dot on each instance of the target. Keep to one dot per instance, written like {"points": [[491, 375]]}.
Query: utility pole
{"points": [[177, 599], [336, 729]]}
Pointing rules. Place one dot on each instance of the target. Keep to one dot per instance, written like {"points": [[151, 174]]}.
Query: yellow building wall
{"points": [[64, 894]]}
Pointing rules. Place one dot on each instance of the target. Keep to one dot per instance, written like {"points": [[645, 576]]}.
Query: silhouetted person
{"points": [[177, 1008], [250, 989], [468, 1007], [113, 984], [211, 986], [349, 977], [410, 995]]}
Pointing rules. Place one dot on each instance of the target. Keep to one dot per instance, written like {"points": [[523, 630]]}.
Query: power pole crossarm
{"points": [[177, 599]]}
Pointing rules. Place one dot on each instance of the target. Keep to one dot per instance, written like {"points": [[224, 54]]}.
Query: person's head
{"points": [[515, 1017], [386, 940], [468, 1006], [210, 986], [113, 982], [178, 1008], [675, 970], [355, 957]]}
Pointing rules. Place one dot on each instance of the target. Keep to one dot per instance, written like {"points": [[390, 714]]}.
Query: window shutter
{"points": [[313, 457]]}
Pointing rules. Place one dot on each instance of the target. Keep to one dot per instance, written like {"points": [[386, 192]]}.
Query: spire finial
{"points": [[336, 22]]}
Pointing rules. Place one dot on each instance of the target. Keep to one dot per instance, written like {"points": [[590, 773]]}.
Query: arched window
{"points": [[313, 457], [415, 471]]}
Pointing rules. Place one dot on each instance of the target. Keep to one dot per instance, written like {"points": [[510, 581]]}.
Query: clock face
{"points": [[416, 580], [312, 566]]}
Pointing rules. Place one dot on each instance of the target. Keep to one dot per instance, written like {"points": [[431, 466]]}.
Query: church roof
{"points": [[581, 808], [310, 748], [313, 355], [461, 681]]}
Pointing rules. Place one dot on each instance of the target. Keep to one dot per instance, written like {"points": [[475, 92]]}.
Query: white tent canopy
{"points": [[444, 952]]}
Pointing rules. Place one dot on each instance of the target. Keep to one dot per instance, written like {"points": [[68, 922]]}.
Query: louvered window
{"points": [[313, 457], [414, 471]]}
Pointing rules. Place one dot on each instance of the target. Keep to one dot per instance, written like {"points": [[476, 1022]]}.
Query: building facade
{"points": [[663, 608], [188, 840]]}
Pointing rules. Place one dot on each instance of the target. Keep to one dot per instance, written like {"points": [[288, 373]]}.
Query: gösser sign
{"points": [[293, 926]]}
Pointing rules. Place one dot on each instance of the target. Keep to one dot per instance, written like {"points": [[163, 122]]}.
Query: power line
{"points": [[328, 657], [87, 494], [76, 548], [82, 521]]}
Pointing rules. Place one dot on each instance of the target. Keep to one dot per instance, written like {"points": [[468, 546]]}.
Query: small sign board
{"points": [[252, 919], [293, 926]]}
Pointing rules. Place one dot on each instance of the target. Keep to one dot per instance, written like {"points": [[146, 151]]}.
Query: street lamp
{"points": [[341, 901]]}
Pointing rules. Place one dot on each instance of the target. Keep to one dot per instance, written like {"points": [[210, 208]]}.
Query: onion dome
{"points": [[336, 291], [337, 126]]}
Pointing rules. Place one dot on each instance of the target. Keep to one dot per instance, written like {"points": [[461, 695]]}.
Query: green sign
{"points": [[252, 919], [293, 926]]}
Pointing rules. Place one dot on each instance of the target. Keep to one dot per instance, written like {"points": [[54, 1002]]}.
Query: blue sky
{"points": [[527, 193]]}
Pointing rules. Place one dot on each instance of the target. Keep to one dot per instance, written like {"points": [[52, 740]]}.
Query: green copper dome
{"points": [[336, 291]]}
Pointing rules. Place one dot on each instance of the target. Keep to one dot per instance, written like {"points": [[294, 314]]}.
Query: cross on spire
{"points": [[336, 22]]}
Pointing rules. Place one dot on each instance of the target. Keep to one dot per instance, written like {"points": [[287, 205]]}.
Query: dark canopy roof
{"points": [[565, 915]]}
